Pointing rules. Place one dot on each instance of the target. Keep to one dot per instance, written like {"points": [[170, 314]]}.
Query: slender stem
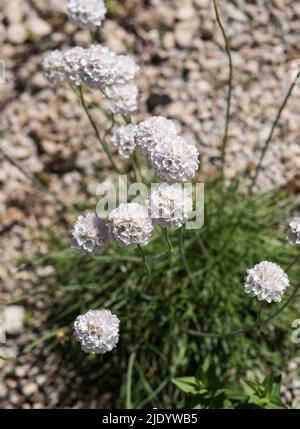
{"points": [[147, 268], [136, 167], [229, 92], [290, 298], [129, 380], [42, 339], [183, 258], [167, 234], [127, 119], [7, 357], [36, 182], [287, 302], [101, 140], [294, 261], [135, 159], [94, 35], [202, 245], [113, 123], [273, 127], [154, 393], [231, 333]]}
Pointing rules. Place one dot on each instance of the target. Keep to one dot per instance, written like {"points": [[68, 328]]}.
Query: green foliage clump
{"points": [[206, 391], [163, 317]]}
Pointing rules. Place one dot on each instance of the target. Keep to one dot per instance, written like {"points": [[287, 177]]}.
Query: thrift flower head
{"points": [[267, 281], [89, 234], [97, 331], [127, 68], [52, 67], [293, 232], [123, 138], [152, 131], [70, 65], [175, 159], [87, 13], [130, 224], [98, 66], [123, 98], [170, 205]]}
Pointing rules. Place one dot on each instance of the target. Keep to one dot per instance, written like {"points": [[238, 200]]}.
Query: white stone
{"points": [[13, 319]]}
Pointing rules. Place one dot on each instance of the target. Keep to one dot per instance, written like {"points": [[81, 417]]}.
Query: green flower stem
{"points": [[287, 302], [94, 36], [201, 244], [184, 260], [168, 241], [290, 298], [294, 261], [113, 123], [231, 333], [147, 268], [136, 167], [135, 159], [37, 183], [127, 119], [129, 380], [229, 92], [7, 357], [273, 127], [42, 339], [35, 343], [101, 140]]}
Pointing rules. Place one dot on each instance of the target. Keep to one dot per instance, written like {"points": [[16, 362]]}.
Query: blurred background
{"points": [[183, 76]]}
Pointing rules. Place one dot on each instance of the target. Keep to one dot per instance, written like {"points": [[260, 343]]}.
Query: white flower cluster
{"points": [[170, 205], [123, 139], [175, 159], [123, 98], [130, 224], [87, 13], [127, 69], [71, 65], [97, 331], [52, 67], [172, 156], [98, 66], [89, 234], [293, 232], [152, 131], [267, 281]]}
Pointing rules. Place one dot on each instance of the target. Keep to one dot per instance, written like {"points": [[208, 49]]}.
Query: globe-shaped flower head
{"points": [[123, 98], [127, 69], [267, 281], [89, 234], [97, 331], [52, 67], [293, 232], [123, 139], [152, 131], [175, 159], [98, 67], [130, 224], [87, 13], [170, 205], [70, 65]]}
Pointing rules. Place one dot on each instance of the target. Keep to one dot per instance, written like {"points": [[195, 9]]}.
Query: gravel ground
{"points": [[184, 72]]}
